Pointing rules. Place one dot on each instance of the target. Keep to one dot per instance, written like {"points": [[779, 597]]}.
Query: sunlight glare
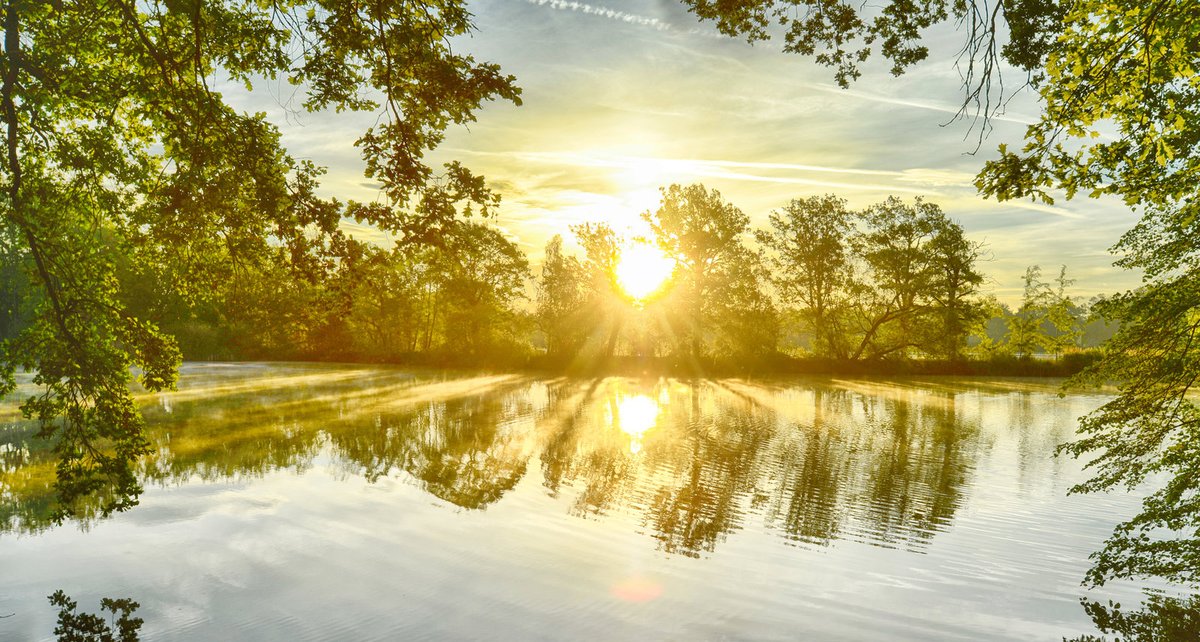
{"points": [[642, 270], [636, 415]]}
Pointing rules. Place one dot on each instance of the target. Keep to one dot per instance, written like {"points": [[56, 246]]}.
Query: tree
{"points": [[955, 290], [1025, 333], [603, 305], [485, 275], [811, 264], [716, 273], [561, 296], [383, 302], [916, 284], [112, 129], [1065, 318]]}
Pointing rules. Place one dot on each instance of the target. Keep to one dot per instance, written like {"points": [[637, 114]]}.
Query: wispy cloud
{"points": [[1047, 209], [620, 16], [955, 110], [664, 170], [603, 12]]}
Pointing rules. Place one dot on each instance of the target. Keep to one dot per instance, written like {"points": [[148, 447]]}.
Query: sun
{"points": [[642, 270]]}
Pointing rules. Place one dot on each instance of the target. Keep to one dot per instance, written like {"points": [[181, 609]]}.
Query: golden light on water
{"points": [[635, 415], [642, 270]]}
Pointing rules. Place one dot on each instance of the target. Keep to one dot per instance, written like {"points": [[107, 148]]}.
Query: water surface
{"points": [[296, 502]]}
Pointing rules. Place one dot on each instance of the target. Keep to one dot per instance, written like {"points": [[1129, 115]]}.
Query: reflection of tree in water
{"points": [[809, 475], [713, 458], [833, 463], [26, 478], [468, 451], [454, 435], [881, 463], [594, 461], [917, 476], [817, 462], [884, 468]]}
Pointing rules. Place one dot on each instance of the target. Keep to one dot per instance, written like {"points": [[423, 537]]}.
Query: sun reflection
{"points": [[635, 415], [642, 270]]}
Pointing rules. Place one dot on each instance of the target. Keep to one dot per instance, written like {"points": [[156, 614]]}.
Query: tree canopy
{"points": [[117, 144]]}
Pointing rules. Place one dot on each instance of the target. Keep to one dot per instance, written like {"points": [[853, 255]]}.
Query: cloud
{"points": [[954, 110], [603, 12], [621, 16], [661, 171]]}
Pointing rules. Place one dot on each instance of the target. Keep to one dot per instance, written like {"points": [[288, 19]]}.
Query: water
{"points": [[296, 502]]}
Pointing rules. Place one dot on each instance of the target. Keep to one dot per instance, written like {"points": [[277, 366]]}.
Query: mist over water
{"points": [[341, 502]]}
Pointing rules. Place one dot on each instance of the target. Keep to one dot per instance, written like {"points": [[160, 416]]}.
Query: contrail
{"points": [[603, 12]]}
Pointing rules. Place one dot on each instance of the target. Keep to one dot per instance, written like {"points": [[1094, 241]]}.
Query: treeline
{"points": [[896, 282]]}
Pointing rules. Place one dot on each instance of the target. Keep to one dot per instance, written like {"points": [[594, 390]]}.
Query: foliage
{"points": [[1021, 33], [1025, 334], [117, 145], [810, 263], [1162, 617], [88, 627], [603, 306], [718, 280], [919, 277], [1151, 429], [1099, 67], [886, 282], [1064, 317], [560, 300]]}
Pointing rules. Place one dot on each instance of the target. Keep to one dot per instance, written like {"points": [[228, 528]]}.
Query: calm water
{"points": [[293, 502]]}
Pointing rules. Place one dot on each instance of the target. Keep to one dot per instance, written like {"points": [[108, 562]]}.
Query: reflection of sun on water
{"points": [[636, 415], [642, 270]]}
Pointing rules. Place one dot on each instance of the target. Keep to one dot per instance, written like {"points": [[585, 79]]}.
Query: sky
{"points": [[622, 97]]}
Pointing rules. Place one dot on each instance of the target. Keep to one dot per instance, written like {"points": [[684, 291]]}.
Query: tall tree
{"points": [[1065, 318], [809, 256], [561, 296], [955, 288], [917, 280], [486, 277], [1025, 332], [705, 235], [111, 126], [605, 308]]}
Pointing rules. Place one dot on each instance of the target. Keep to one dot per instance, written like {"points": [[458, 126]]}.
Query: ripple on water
{"points": [[302, 502]]}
